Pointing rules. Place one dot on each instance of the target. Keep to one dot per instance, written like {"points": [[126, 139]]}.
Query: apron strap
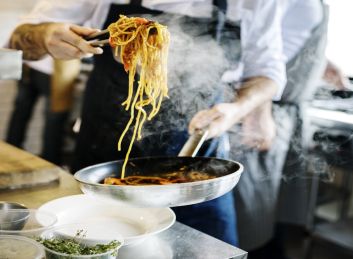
{"points": [[136, 2], [221, 4]]}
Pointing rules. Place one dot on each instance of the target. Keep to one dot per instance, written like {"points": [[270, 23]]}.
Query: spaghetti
{"points": [[167, 179], [139, 46]]}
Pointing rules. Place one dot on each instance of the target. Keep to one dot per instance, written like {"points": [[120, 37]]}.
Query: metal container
{"points": [[25, 222], [4, 205], [10, 220], [227, 172], [13, 221]]}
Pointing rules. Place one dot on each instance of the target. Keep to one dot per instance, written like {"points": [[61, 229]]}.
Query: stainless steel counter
{"points": [[181, 242]]}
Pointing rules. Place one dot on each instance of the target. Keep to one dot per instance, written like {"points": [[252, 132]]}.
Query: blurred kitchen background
{"points": [[331, 126]]}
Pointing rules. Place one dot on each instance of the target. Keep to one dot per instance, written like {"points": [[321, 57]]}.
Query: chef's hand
{"points": [[334, 76], [60, 40], [219, 119], [255, 92], [259, 128]]}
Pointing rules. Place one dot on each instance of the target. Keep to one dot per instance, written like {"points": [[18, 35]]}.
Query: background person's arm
{"points": [[60, 40], [255, 92], [264, 74]]}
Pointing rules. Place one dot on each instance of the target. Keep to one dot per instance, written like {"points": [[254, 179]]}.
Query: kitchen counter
{"points": [[179, 241]]}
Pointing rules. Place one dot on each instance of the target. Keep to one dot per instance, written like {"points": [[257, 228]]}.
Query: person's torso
{"points": [[295, 31]]}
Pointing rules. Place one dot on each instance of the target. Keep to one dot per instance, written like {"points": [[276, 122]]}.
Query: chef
{"points": [[207, 38]]}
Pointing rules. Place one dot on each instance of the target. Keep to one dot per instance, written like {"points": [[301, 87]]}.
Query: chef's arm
{"points": [[60, 40], [255, 92]]}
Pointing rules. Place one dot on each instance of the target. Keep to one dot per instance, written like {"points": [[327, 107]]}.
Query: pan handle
{"points": [[193, 144]]}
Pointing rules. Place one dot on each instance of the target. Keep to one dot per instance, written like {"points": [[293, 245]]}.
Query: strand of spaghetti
{"points": [[139, 106], [143, 85], [135, 130], [158, 107], [130, 121], [125, 25], [130, 146]]}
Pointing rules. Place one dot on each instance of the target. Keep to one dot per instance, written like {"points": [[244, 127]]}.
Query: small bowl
{"points": [[26, 223], [4, 205], [94, 235], [11, 222], [20, 248]]}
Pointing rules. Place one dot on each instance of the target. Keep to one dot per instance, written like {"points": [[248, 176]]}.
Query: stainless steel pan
{"points": [[227, 172]]}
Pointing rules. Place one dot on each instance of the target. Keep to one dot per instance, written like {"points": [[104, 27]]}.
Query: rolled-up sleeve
{"points": [[69, 11], [262, 44]]}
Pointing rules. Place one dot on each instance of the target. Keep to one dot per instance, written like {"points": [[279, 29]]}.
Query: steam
{"points": [[195, 66]]}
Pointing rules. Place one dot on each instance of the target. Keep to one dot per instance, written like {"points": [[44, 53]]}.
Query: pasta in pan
{"points": [[172, 178], [139, 46]]}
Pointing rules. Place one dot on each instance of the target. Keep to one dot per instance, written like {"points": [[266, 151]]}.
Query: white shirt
{"points": [[260, 26], [299, 18]]}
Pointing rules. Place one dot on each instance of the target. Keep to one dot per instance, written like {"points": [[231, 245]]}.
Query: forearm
{"points": [[256, 93], [29, 39]]}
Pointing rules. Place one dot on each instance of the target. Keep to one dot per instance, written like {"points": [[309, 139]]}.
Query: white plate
{"points": [[134, 224]]}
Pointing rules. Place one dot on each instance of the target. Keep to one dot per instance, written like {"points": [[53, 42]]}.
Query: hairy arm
{"points": [[255, 92], [259, 128], [60, 40], [27, 38]]}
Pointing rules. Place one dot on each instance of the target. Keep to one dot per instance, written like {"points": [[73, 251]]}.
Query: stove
{"points": [[331, 128]]}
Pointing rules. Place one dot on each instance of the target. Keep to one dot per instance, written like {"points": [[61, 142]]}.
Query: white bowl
{"points": [[134, 224]]}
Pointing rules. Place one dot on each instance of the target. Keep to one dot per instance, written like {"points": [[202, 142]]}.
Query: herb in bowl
{"points": [[72, 247]]}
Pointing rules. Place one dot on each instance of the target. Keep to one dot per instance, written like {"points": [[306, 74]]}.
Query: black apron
{"points": [[201, 50]]}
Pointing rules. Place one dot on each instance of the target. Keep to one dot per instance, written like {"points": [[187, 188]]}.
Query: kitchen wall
{"points": [[10, 11], [340, 39]]}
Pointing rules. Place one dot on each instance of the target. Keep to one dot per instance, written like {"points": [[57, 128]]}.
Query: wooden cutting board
{"points": [[19, 168]]}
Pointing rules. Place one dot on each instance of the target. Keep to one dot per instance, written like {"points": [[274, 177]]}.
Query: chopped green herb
{"points": [[70, 247]]}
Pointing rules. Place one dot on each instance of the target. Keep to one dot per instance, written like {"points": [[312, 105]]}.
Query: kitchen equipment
{"points": [[194, 143], [134, 224], [330, 142], [17, 247], [227, 174], [25, 222], [10, 64], [21, 169], [10, 205], [13, 220], [103, 37], [90, 236]]}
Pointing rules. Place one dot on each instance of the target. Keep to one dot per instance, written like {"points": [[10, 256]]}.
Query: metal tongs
{"points": [[194, 143], [103, 36]]}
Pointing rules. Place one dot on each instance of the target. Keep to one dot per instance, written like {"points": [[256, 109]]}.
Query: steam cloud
{"points": [[195, 66]]}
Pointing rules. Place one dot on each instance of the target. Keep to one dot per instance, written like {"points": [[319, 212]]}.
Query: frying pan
{"points": [[227, 174]]}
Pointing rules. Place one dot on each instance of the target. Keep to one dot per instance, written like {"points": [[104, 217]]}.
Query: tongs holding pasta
{"points": [[103, 36]]}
